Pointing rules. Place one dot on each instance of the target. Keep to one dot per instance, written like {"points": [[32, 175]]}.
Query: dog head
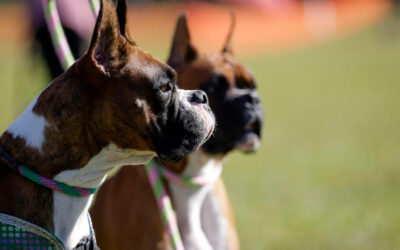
{"points": [[230, 87], [136, 96]]}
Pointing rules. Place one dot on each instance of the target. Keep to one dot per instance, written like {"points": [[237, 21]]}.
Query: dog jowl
{"points": [[231, 89], [117, 105]]}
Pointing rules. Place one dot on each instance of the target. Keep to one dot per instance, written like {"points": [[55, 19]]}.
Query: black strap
{"points": [[8, 160]]}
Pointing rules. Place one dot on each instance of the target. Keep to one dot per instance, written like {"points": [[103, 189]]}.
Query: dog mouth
{"points": [[249, 142], [208, 121], [254, 126], [210, 133]]}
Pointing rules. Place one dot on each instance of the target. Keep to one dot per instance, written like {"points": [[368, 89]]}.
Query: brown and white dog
{"points": [[117, 105], [125, 216]]}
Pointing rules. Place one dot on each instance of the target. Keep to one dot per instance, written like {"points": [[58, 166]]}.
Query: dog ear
{"points": [[122, 11], [228, 45], [107, 43], [182, 50]]}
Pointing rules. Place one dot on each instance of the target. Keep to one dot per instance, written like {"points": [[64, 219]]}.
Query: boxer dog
{"points": [[125, 216], [116, 105]]}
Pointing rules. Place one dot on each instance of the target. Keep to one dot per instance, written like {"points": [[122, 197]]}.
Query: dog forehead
{"points": [[212, 64], [216, 61], [143, 64], [239, 69], [226, 64]]}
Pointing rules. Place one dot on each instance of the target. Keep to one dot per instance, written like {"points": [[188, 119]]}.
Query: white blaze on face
{"points": [[29, 126]]}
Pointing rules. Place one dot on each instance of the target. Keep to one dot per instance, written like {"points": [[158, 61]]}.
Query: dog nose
{"points": [[252, 98], [199, 96]]}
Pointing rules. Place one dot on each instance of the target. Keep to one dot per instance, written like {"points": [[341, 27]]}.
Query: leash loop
{"points": [[164, 204], [155, 171], [196, 181], [41, 180], [53, 184], [57, 33]]}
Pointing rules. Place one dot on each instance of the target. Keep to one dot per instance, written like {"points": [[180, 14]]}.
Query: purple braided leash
{"points": [[164, 204]]}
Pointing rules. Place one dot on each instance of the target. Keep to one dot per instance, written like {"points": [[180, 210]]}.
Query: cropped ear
{"points": [[228, 45], [182, 50], [122, 11], [107, 44]]}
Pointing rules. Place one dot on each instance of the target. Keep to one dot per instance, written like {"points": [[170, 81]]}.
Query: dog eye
{"points": [[221, 79], [219, 84], [245, 84], [165, 88]]}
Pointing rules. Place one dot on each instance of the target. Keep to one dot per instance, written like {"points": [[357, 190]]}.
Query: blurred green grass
{"points": [[327, 175]]}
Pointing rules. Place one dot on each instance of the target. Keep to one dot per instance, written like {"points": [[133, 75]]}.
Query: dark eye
{"points": [[218, 84], [220, 80], [165, 88], [245, 84]]}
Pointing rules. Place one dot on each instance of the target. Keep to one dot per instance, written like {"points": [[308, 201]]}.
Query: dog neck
{"points": [[70, 229], [215, 222], [54, 138], [188, 201]]}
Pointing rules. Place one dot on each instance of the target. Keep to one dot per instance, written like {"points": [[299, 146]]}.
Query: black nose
{"points": [[199, 96], [252, 98]]}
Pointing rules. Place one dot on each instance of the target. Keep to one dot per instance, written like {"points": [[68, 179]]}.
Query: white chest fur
{"points": [[189, 201], [71, 221], [214, 222]]}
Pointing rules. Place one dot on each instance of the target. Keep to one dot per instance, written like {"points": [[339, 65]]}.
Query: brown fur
{"points": [[132, 224], [125, 213], [126, 202], [94, 103]]}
